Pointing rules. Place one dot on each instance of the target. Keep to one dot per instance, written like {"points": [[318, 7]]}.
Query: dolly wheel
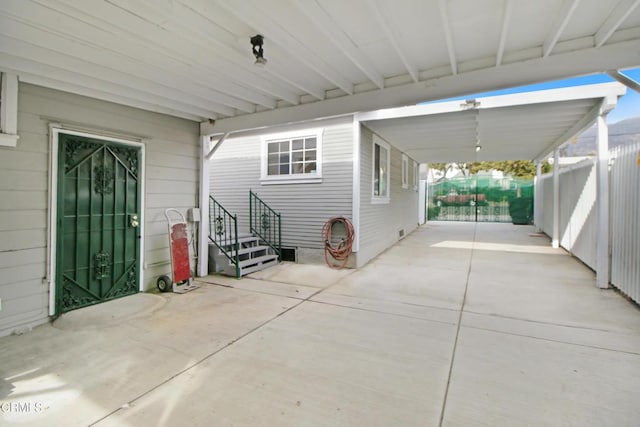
{"points": [[164, 284]]}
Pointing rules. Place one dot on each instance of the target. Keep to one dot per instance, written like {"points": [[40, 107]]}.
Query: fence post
{"points": [[555, 238], [204, 203], [602, 202], [250, 211], [537, 199]]}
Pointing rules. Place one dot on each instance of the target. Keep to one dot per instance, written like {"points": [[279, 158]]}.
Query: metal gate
{"points": [[98, 217], [481, 199]]}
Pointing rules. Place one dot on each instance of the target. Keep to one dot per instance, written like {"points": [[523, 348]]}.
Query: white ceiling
{"points": [[508, 127], [192, 58]]}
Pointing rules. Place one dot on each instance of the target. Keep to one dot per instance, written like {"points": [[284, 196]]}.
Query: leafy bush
{"points": [[433, 212]]}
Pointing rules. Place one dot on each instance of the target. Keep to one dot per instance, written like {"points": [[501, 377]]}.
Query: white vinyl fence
{"points": [[577, 210], [625, 220], [577, 233]]}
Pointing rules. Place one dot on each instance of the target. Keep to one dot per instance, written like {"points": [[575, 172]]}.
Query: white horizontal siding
{"points": [[172, 162], [380, 223], [235, 169]]}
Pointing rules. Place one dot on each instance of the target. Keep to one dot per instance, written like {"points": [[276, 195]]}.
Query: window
{"points": [[8, 109], [381, 169], [293, 157], [416, 176], [405, 171]]}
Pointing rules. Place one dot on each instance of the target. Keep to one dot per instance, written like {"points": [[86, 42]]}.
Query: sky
{"points": [[628, 106]]}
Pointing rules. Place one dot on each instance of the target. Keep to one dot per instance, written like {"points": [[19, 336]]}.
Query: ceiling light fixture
{"points": [[258, 52]]}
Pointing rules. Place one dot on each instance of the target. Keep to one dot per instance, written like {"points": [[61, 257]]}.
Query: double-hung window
{"points": [[293, 157], [381, 170]]}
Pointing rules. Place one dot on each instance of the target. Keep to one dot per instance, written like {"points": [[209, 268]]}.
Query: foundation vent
{"points": [[289, 254]]}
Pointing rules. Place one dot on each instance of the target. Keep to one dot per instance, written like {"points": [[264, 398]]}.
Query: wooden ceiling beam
{"points": [[331, 30], [617, 16], [506, 21], [383, 23], [559, 24], [273, 32], [448, 35], [148, 42]]}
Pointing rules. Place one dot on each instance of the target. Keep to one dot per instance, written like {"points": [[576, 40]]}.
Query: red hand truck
{"points": [[180, 280]]}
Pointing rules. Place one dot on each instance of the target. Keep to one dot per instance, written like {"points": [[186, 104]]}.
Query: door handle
{"points": [[133, 220]]}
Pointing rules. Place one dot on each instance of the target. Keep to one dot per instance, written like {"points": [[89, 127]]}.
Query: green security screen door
{"points": [[98, 234]]}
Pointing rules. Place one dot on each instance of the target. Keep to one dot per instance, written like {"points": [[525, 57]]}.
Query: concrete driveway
{"points": [[456, 325]]}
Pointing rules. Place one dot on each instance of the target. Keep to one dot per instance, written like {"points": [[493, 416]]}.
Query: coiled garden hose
{"points": [[341, 251]]}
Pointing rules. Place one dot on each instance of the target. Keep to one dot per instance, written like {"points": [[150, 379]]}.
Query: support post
{"points": [[537, 199], [9, 110], [602, 202], [555, 235], [203, 235]]}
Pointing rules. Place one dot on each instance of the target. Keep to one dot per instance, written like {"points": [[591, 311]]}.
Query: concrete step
{"points": [[243, 241], [247, 266], [253, 256], [242, 251], [258, 260], [265, 262]]}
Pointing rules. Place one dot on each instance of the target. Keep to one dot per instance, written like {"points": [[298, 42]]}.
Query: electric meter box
{"points": [[193, 214]]}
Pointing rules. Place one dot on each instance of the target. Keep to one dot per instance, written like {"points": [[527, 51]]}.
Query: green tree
{"points": [[514, 168]]}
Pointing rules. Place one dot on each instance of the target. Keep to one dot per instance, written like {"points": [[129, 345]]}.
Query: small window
{"points": [[405, 171], [416, 176], [292, 157], [381, 168], [8, 109]]}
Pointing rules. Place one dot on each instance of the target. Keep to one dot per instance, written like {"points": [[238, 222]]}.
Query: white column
{"points": [[555, 235], [602, 204], [537, 199], [9, 110], [422, 201], [203, 235]]}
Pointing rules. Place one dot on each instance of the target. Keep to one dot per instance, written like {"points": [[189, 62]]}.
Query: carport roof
{"points": [[192, 58], [527, 125]]}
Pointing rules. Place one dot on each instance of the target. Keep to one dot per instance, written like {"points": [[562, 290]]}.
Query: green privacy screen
{"points": [[481, 199]]}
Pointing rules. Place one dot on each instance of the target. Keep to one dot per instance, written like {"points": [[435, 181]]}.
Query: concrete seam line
{"points": [[410, 304], [540, 322], [257, 292], [368, 310], [455, 343], [634, 353], [193, 365]]}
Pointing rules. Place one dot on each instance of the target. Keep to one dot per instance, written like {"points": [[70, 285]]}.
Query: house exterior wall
{"points": [[236, 168], [171, 172], [380, 223]]}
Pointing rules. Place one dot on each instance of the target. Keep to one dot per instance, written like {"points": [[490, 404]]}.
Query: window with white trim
{"points": [[8, 109], [292, 157], [405, 171], [416, 176], [381, 171]]}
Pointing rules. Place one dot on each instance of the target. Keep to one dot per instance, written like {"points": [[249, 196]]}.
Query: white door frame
{"points": [[54, 132]]}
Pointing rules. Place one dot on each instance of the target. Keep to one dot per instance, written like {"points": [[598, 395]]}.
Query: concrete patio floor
{"points": [[456, 325]]}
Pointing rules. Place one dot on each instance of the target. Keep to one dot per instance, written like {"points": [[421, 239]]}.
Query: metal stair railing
{"points": [[223, 232], [265, 223]]}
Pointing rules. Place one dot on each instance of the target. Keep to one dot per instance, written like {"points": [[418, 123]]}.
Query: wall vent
{"points": [[289, 254]]}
